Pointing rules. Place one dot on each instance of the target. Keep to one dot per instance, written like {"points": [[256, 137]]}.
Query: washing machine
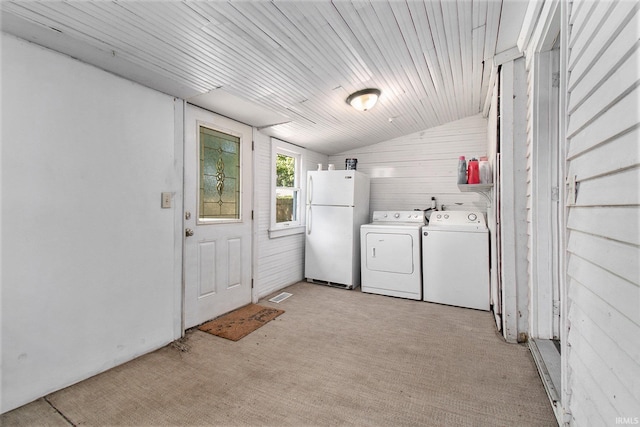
{"points": [[391, 254], [455, 259]]}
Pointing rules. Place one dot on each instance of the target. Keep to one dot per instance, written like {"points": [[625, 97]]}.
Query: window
{"points": [[219, 197], [286, 189]]}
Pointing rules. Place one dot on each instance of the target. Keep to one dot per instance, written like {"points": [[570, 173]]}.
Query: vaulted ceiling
{"points": [[287, 67]]}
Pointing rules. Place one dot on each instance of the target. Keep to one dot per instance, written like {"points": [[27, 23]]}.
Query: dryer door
{"points": [[392, 253]]}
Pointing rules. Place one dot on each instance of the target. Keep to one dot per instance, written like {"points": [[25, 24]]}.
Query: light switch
{"points": [[166, 200]]}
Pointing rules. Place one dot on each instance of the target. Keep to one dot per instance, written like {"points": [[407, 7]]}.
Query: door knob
{"points": [[188, 232]]}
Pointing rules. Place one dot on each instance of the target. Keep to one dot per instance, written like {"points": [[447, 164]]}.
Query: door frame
{"points": [[545, 293], [178, 221], [551, 31], [545, 52], [180, 208]]}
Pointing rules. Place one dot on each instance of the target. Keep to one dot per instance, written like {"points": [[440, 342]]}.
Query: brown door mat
{"points": [[241, 322]]}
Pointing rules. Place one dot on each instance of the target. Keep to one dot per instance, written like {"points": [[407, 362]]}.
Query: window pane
{"points": [[286, 171], [286, 205], [219, 175]]}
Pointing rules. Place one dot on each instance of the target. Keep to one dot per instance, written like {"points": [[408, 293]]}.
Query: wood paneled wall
{"points": [[280, 260], [407, 171]]}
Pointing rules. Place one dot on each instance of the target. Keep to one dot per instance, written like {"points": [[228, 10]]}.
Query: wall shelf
{"points": [[484, 189]]}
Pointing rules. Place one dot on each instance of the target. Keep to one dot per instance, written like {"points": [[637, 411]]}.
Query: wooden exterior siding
{"points": [[603, 235], [279, 261], [407, 171]]}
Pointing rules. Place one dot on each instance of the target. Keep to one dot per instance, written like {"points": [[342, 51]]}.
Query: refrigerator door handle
{"points": [[309, 220], [310, 190]]}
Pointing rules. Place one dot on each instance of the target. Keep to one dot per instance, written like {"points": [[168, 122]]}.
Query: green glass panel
{"points": [[229, 147], [230, 193], [219, 175], [209, 161], [228, 210], [209, 193]]}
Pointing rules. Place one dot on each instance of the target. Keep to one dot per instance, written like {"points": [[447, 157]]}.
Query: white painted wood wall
{"points": [[513, 200], [407, 171], [603, 225], [279, 261]]}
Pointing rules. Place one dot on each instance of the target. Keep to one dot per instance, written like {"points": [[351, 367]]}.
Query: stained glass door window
{"points": [[219, 175]]}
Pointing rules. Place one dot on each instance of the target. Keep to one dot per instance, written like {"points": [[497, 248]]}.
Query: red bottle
{"points": [[473, 172]]}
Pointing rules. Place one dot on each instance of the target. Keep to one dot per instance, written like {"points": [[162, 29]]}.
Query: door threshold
{"points": [[547, 359]]}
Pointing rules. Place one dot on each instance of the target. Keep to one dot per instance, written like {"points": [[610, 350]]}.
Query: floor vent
{"points": [[280, 297]]}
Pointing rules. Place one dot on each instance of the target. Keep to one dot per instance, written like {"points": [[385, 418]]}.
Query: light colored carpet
{"points": [[335, 357]]}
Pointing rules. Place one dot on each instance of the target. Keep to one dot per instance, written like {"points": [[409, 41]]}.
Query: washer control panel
{"points": [[457, 218], [399, 216]]}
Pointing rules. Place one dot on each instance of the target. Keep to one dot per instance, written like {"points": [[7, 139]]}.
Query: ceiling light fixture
{"points": [[364, 99]]}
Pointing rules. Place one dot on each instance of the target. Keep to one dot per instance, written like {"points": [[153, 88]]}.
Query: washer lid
{"points": [[458, 220]]}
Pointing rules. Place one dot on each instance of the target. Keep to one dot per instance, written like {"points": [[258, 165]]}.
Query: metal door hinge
{"points": [[555, 194], [253, 145], [556, 308], [251, 283], [251, 215], [555, 80]]}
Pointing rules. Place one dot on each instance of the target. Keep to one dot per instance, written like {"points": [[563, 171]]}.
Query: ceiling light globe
{"points": [[364, 100]]}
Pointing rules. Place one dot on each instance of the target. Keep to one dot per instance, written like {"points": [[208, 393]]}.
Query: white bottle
{"points": [[485, 171]]}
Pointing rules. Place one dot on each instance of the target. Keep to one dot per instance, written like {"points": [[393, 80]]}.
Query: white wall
{"points": [[407, 171], [280, 260], [603, 226], [90, 271]]}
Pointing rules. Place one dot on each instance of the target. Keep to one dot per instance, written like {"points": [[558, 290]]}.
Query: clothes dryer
{"points": [[391, 254]]}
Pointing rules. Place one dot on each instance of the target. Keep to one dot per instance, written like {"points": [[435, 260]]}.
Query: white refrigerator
{"points": [[337, 205]]}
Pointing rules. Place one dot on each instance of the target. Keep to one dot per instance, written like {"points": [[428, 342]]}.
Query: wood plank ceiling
{"points": [[288, 66]]}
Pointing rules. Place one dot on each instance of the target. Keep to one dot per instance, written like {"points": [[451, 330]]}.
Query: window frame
{"points": [[279, 229]]}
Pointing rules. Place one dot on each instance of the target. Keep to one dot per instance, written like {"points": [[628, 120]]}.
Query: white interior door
{"points": [[218, 224]]}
